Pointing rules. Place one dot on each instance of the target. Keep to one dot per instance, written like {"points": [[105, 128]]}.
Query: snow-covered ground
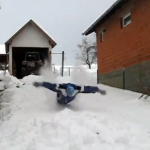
{"points": [[30, 118]]}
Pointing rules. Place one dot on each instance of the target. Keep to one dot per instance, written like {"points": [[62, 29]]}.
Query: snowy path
{"points": [[118, 121]]}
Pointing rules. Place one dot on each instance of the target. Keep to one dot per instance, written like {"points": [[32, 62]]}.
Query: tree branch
{"points": [[87, 52]]}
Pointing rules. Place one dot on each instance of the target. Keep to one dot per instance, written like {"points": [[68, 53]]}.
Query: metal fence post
{"points": [[62, 71], [123, 76], [69, 71], [54, 69], [97, 77]]}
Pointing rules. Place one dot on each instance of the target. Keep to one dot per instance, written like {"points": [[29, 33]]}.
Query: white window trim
{"points": [[102, 36], [127, 15], [102, 33]]}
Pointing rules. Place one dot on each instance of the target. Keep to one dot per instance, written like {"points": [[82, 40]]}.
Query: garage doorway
{"points": [[18, 54]]}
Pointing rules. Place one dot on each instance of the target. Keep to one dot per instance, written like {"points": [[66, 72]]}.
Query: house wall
{"points": [[31, 36], [125, 47]]}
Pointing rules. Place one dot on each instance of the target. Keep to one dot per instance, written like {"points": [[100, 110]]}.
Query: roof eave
{"points": [[87, 32], [54, 44], [93, 27]]}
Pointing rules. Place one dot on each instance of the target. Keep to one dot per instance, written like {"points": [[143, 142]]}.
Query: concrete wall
{"points": [[114, 78], [136, 77], [122, 45]]}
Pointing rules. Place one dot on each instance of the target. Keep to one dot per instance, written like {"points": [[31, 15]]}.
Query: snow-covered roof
{"points": [[2, 49]]}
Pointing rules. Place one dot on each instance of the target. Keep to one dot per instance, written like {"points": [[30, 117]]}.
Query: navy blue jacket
{"points": [[60, 89]]}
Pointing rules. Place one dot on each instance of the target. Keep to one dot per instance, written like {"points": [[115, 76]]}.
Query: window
{"points": [[102, 35], [127, 20]]}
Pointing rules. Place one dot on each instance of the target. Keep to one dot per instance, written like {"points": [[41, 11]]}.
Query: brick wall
{"points": [[124, 47]]}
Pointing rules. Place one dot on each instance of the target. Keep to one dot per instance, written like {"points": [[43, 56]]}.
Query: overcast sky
{"points": [[64, 20]]}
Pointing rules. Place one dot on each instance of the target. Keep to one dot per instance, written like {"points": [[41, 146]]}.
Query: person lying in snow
{"points": [[67, 92]]}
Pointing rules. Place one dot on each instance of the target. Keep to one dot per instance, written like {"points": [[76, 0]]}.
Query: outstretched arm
{"points": [[50, 86], [83, 89], [92, 89]]}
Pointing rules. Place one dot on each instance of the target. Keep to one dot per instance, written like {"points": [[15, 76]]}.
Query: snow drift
{"points": [[30, 119]]}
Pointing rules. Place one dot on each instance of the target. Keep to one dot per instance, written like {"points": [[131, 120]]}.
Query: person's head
{"points": [[70, 91]]}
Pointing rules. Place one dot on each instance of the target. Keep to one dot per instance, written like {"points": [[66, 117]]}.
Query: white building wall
{"points": [[50, 56], [10, 60], [29, 37]]}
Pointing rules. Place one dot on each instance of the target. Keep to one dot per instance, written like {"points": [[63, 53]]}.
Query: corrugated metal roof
{"points": [[113, 7]]}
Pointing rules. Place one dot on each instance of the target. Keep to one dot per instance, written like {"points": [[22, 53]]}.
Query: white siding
{"points": [[10, 59], [50, 47], [30, 37]]}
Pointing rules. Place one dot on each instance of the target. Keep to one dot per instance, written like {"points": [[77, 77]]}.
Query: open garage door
{"points": [[21, 53]]}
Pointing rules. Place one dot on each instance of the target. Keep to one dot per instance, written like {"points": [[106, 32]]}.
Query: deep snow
{"points": [[30, 119]]}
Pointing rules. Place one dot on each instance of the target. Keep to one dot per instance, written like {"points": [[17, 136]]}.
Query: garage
{"points": [[28, 49], [24, 53]]}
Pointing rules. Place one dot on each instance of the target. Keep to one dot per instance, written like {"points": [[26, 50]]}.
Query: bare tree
{"points": [[87, 52]]}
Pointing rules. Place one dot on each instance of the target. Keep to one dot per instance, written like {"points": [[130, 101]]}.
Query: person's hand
{"points": [[103, 92], [37, 84]]}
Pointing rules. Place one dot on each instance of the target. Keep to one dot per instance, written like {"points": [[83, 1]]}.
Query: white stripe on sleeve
{"points": [[82, 88], [57, 85]]}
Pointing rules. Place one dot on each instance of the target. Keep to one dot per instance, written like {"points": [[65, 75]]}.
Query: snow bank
{"points": [[30, 79], [7, 81], [78, 130], [30, 119]]}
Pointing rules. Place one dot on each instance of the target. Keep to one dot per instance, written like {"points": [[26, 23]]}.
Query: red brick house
{"points": [[123, 44]]}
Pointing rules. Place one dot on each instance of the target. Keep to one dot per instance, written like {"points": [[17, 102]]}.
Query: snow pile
{"points": [[30, 118], [30, 79], [7, 81], [8, 84], [73, 130]]}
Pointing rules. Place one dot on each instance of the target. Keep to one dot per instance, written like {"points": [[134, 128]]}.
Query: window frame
{"points": [[102, 36], [102, 33], [123, 20]]}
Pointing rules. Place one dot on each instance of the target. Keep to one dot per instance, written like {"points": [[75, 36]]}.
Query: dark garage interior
{"points": [[19, 57]]}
